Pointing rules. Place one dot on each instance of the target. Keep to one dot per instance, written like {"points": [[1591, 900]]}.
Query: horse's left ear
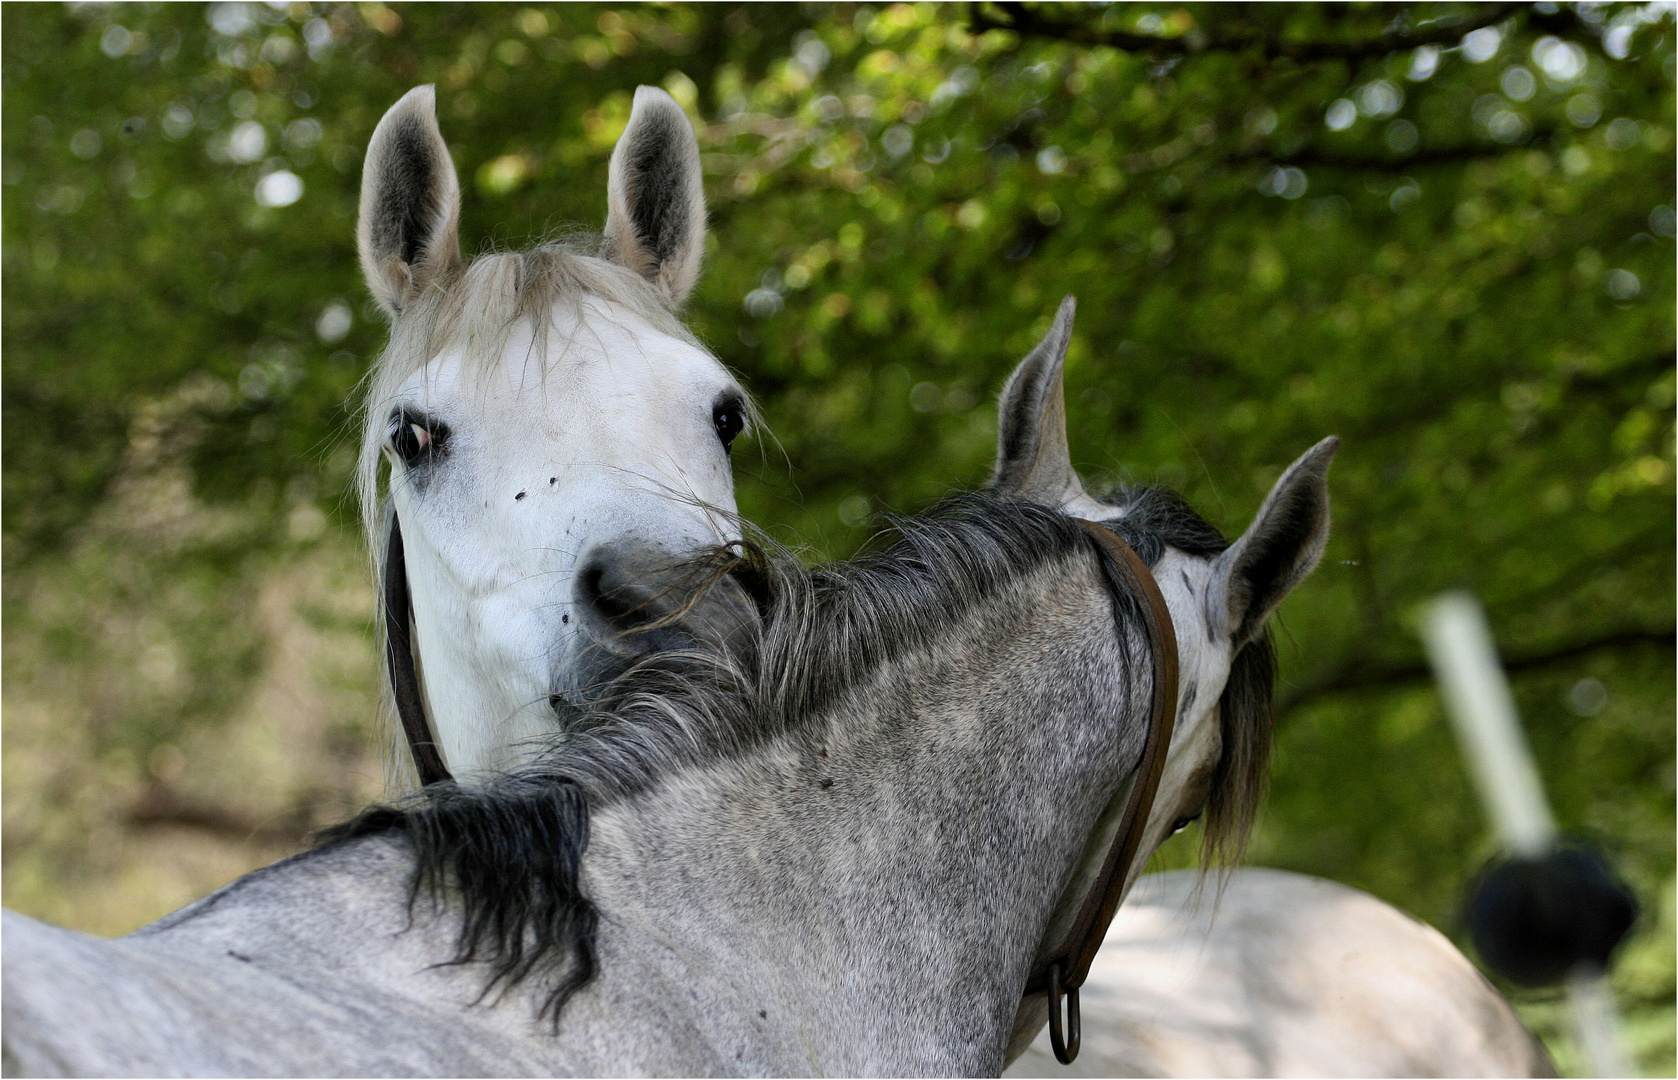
{"points": [[1032, 458], [1282, 546], [408, 233], [655, 199]]}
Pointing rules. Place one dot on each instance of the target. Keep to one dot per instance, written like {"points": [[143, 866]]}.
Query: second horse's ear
{"points": [[409, 228], [1282, 545], [655, 199], [1032, 459]]}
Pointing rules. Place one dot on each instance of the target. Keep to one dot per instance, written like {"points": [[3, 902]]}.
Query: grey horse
{"points": [[840, 850]]}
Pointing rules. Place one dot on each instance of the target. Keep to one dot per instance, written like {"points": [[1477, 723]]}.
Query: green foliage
{"points": [[1280, 222]]}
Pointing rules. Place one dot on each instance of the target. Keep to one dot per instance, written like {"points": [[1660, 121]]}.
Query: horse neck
{"points": [[876, 882]]}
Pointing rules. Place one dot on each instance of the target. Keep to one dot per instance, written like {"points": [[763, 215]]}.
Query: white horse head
{"points": [[557, 441]]}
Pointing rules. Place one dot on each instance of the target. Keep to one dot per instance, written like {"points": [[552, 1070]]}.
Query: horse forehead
{"points": [[1202, 656], [599, 343], [593, 352], [1202, 669], [1183, 580]]}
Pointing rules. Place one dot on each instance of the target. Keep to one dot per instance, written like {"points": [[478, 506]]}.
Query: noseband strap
{"points": [[1065, 971], [399, 656]]}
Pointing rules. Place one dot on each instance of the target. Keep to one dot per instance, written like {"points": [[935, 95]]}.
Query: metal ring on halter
{"points": [[1065, 1041]]}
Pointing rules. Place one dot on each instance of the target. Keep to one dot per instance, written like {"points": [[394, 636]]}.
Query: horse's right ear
{"points": [[1032, 458], [410, 203], [655, 197], [1281, 546]]}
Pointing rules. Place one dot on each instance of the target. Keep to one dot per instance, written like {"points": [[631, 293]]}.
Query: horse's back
{"points": [[69, 1006], [1284, 975], [296, 970], [77, 1005]]}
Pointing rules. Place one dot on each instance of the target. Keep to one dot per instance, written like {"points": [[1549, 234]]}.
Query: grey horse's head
{"points": [[1221, 593]]}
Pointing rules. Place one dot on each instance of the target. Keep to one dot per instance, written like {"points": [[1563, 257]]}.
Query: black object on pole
{"points": [[1536, 919]]}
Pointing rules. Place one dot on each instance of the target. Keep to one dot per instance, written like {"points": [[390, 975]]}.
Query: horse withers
{"points": [[557, 441]]}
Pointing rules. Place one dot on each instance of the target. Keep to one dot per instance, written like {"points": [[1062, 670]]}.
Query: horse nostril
{"points": [[754, 584], [608, 587], [635, 599]]}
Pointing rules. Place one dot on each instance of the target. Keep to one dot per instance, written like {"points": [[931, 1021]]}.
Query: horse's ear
{"points": [[1032, 459], [655, 199], [1279, 549], [410, 203]]}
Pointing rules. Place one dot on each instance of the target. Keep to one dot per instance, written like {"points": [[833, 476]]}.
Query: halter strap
{"points": [[1065, 971], [399, 656]]}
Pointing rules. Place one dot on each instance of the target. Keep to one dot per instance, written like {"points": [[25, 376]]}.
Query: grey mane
{"points": [[509, 852]]}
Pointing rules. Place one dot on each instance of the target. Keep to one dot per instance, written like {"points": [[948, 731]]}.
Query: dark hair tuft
{"points": [[511, 853]]}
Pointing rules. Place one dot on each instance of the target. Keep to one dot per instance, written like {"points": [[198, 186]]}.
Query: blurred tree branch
{"points": [[1312, 157], [163, 805], [1652, 365], [1565, 23], [1236, 37], [1365, 674]]}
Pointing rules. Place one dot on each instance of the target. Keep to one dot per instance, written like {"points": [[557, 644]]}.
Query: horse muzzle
{"points": [[636, 601]]}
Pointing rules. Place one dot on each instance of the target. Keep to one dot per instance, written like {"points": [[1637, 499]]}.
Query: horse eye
{"points": [[728, 417], [1184, 822], [416, 439]]}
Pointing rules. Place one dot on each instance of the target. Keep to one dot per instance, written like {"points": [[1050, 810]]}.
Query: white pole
{"points": [[1477, 698], [1479, 703], [1596, 1022]]}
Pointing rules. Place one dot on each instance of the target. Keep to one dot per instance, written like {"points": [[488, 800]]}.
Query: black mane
{"points": [[512, 851]]}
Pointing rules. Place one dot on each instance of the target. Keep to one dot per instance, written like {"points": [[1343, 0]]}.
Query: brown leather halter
{"points": [[399, 655], [1065, 971]]}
